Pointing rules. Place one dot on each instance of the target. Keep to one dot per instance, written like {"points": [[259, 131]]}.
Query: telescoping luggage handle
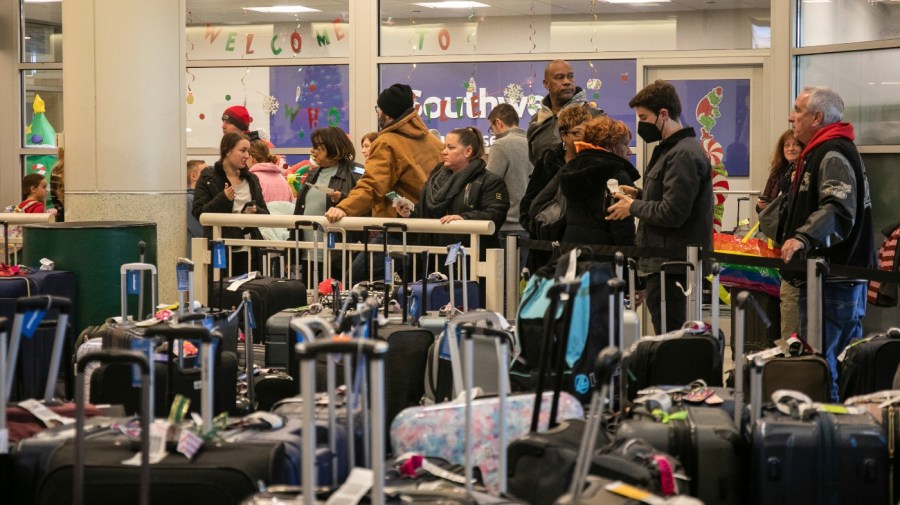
{"points": [[132, 284], [560, 293], [662, 289], [29, 313], [616, 287], [451, 263], [756, 365], [184, 277], [606, 364], [207, 371], [344, 253], [375, 351], [816, 271], [384, 228], [113, 357], [305, 329], [503, 388], [4, 428], [453, 325], [316, 227]]}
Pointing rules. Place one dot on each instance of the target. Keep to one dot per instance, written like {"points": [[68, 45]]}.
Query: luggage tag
{"points": [[158, 431], [355, 488], [145, 347], [452, 254], [330, 240], [133, 280], [181, 276], [219, 256], [189, 443], [31, 321], [634, 493], [699, 394], [388, 267], [46, 416]]}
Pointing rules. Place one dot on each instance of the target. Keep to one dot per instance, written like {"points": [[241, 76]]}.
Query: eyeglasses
{"points": [[491, 127], [563, 132]]}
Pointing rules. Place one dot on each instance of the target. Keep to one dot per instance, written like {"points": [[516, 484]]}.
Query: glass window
{"points": [[516, 26], [255, 29], [824, 22], [869, 83], [42, 39], [286, 103], [457, 95], [881, 170], [43, 107]]}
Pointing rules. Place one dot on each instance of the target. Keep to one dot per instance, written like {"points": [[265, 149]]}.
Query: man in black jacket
{"points": [[830, 215], [675, 208]]}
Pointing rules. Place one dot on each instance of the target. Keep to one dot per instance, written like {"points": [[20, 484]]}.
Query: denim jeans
{"points": [[843, 308], [358, 266]]}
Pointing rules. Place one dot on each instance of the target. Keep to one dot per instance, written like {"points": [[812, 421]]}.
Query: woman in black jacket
{"points": [[328, 183], [461, 188], [601, 156], [229, 187]]}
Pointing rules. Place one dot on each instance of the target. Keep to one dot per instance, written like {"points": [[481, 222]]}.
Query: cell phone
{"points": [[251, 203]]}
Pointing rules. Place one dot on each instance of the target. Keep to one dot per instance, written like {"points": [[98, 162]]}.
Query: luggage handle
{"points": [[560, 292], [113, 357], [404, 259], [307, 352], [4, 430], [189, 266], [816, 271], [141, 267], [207, 362], [502, 378], [607, 361], [756, 374], [24, 305], [316, 228], [616, 333], [743, 299], [662, 288], [344, 253]]}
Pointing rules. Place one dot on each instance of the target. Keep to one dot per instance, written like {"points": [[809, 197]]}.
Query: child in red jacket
{"points": [[34, 192]]}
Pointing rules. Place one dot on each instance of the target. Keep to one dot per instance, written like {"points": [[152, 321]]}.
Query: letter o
{"points": [[444, 39]]}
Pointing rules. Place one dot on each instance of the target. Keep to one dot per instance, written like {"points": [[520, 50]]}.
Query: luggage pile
{"points": [[265, 398]]}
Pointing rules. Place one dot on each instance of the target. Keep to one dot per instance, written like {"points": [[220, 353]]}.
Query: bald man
{"points": [[559, 80]]}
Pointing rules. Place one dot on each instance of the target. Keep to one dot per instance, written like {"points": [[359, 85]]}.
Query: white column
{"points": [[10, 138], [125, 118], [364, 87]]}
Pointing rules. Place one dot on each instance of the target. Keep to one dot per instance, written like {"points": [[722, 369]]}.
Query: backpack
{"points": [[885, 294]]}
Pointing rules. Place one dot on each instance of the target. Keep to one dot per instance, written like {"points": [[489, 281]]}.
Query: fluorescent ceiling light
{"points": [[42, 1], [637, 1], [452, 4], [282, 9]]}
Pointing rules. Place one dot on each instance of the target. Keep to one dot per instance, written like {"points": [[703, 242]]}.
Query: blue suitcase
{"points": [[439, 294]]}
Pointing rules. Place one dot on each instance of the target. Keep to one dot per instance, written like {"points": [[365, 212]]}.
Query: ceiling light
{"points": [[282, 9], [637, 1], [42, 1], [452, 4]]}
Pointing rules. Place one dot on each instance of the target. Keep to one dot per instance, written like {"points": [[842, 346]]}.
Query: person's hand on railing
{"points": [[335, 214], [451, 218]]}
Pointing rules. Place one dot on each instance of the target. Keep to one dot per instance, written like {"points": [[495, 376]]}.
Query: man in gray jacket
{"points": [[675, 208], [509, 159]]}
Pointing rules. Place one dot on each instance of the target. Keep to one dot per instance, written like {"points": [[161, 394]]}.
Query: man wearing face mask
{"points": [[675, 208]]}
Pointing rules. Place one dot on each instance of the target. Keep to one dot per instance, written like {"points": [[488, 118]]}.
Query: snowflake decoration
{"points": [[513, 93], [270, 104]]}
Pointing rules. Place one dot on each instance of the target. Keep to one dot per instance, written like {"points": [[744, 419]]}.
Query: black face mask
{"points": [[649, 132]]}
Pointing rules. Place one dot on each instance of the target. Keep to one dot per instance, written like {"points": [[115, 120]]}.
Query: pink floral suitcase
{"points": [[439, 430]]}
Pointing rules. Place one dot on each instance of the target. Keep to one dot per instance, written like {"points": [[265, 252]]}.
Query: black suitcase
{"points": [[269, 296], [802, 453], [870, 364], [218, 474]]}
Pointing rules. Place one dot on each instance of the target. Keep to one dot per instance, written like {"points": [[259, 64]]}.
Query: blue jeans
{"points": [[843, 308]]}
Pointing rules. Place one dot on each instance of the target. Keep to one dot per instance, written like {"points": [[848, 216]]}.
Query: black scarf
{"points": [[444, 185]]}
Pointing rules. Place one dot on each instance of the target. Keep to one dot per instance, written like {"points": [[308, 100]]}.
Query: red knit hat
{"points": [[238, 116]]}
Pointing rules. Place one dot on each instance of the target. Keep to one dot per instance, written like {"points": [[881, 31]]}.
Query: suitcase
{"points": [[220, 473], [589, 490], [884, 407], [806, 453], [269, 297], [541, 464], [35, 353], [678, 357], [374, 352], [869, 365]]}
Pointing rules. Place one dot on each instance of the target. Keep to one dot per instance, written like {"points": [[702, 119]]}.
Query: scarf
{"points": [[829, 132], [581, 146], [445, 185]]}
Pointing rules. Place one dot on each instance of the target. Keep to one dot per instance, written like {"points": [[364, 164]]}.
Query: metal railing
{"points": [[485, 269], [11, 232]]}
